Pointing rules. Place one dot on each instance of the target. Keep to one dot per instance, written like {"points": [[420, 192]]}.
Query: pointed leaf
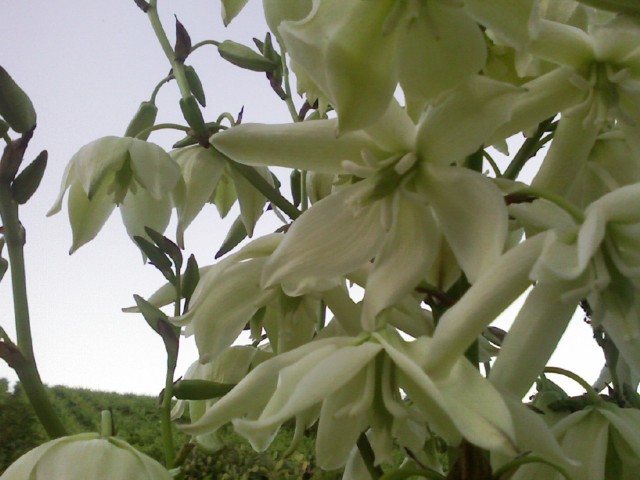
{"points": [[28, 181]]}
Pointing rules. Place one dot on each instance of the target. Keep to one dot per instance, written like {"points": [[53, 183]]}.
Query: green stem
{"points": [[163, 126], [287, 88], [570, 208], [203, 43], [528, 149], [369, 457], [157, 88], [263, 187], [177, 67], [593, 395], [25, 366]]}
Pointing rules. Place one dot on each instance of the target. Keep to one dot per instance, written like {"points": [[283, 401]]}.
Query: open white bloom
{"points": [[604, 438], [404, 197], [356, 52], [206, 178], [136, 175], [353, 383], [84, 456]]}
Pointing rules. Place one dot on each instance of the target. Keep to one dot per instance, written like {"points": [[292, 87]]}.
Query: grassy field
{"points": [[137, 421]]}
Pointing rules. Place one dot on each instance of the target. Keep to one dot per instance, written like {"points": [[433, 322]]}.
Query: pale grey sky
{"points": [[86, 66]]}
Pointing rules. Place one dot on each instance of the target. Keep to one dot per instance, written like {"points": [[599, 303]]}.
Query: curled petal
{"points": [[87, 216]]}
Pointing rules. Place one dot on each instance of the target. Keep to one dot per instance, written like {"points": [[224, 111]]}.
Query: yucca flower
{"points": [[133, 174]]}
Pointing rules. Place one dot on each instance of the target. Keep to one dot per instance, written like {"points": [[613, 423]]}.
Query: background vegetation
{"points": [[137, 421]]}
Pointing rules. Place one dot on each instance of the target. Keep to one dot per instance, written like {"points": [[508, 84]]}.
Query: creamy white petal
{"points": [[532, 339], [472, 214], [499, 286], [141, 209], [87, 216], [97, 159], [251, 201], [408, 252], [461, 123], [327, 240], [310, 145], [153, 168]]}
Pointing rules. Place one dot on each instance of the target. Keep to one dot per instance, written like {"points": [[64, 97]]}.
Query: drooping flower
{"points": [[136, 175], [352, 384], [403, 197], [356, 52], [83, 456]]}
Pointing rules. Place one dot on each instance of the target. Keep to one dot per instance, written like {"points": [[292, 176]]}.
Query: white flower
{"points": [[84, 456], [136, 175], [405, 195]]}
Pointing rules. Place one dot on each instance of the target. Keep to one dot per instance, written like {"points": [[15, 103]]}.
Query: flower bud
{"points": [[243, 57], [15, 106], [144, 118]]}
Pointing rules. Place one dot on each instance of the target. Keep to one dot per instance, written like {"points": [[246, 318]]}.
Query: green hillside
{"points": [[137, 421]]}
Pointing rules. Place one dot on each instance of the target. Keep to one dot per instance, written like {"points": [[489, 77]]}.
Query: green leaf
{"points": [[151, 314], [156, 257], [166, 246], [27, 182], [190, 278], [236, 234]]}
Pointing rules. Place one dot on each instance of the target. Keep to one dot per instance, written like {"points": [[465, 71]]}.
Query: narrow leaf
{"points": [[28, 181]]}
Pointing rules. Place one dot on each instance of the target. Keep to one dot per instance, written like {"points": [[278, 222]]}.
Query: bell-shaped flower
{"points": [[83, 456], [355, 383], [356, 52], [136, 175], [404, 195], [207, 178], [604, 438], [227, 369]]}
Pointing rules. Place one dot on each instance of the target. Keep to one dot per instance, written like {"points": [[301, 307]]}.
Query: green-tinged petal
{"points": [[561, 44], [201, 170], [498, 287], [231, 8], [461, 123], [567, 155], [278, 11], [327, 240], [422, 391], [251, 200], [541, 215], [153, 168], [619, 205], [587, 441], [439, 49], [544, 97], [532, 434], [232, 297], [346, 312], [87, 216], [225, 194], [339, 427], [471, 212], [67, 178], [307, 382], [408, 252], [310, 145], [252, 393], [140, 210], [394, 131], [532, 339], [99, 158], [626, 422], [508, 20]]}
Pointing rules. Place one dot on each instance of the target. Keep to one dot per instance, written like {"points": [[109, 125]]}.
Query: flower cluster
{"points": [[411, 207]]}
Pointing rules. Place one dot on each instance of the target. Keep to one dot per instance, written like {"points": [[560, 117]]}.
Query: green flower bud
{"points": [[243, 57], [83, 456], [28, 181], [15, 106], [195, 85], [144, 118]]}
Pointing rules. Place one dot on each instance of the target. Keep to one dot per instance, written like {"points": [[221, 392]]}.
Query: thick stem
{"points": [[25, 366], [369, 458]]}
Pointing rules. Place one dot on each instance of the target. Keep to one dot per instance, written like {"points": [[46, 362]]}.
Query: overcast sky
{"points": [[86, 66]]}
